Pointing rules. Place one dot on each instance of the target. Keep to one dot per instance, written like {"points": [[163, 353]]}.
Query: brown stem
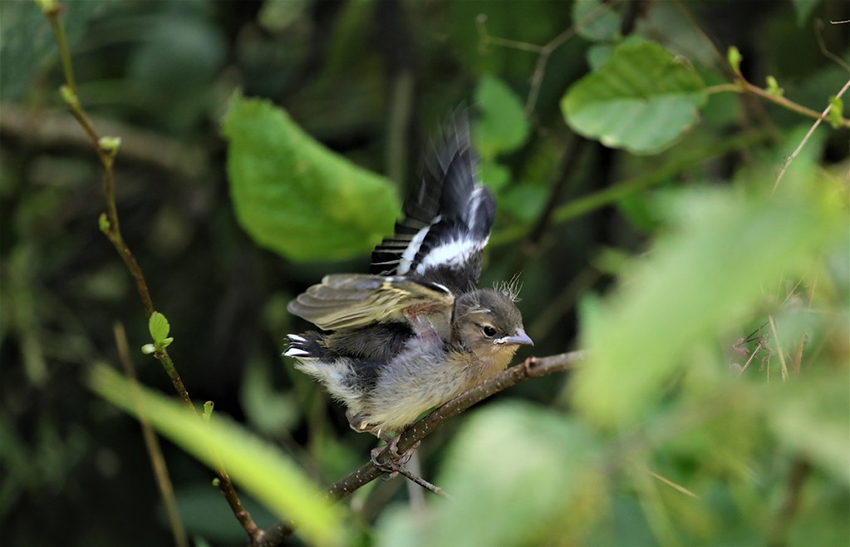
{"points": [[160, 470], [423, 483], [790, 105], [111, 227], [533, 367]]}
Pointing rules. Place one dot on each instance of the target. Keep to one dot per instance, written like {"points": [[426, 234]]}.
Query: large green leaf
{"points": [[514, 472], [725, 250], [263, 470], [296, 197], [641, 99]]}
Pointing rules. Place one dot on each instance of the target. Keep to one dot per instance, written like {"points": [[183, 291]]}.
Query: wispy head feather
{"points": [[511, 288]]}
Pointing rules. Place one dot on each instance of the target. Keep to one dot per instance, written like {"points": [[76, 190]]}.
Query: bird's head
{"points": [[488, 323]]}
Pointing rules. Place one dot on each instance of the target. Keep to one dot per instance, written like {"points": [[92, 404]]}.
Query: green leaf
{"points": [[804, 9], [604, 26], [296, 197], [723, 252], [811, 416], [258, 467], [642, 99], [773, 87], [159, 328], [836, 112], [503, 125], [540, 460], [598, 55], [733, 55]]}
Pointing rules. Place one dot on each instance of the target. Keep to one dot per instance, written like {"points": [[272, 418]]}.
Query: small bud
{"points": [[208, 409], [836, 112], [48, 6], [773, 87], [69, 97], [734, 57], [109, 145], [148, 349], [103, 223], [216, 482]]}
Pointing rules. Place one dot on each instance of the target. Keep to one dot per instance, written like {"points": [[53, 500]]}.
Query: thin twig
{"points": [[591, 202], [750, 360], [160, 470], [533, 367], [823, 49], [811, 131], [106, 150], [555, 43], [423, 483], [783, 368], [543, 52], [672, 484], [790, 105]]}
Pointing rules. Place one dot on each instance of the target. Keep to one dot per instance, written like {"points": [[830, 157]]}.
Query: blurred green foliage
{"points": [[258, 140]]}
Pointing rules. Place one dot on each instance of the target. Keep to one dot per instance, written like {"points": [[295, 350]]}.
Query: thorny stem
{"points": [[111, 228], [533, 367]]}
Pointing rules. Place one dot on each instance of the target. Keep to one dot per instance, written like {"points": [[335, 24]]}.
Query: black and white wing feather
{"points": [[447, 220]]}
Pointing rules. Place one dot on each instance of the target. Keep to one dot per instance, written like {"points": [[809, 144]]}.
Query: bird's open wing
{"points": [[447, 220], [344, 301]]}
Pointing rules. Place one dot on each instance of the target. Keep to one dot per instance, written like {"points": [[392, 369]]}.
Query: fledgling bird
{"points": [[417, 331]]}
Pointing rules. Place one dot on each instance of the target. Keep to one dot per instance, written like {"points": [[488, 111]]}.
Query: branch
{"points": [[814, 126], [106, 149], [591, 202], [160, 470], [53, 131], [543, 52], [533, 367]]}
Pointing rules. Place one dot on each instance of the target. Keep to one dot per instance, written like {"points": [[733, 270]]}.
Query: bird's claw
{"points": [[396, 462]]}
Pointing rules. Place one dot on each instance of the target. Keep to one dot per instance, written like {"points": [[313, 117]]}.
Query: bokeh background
{"points": [[371, 81]]}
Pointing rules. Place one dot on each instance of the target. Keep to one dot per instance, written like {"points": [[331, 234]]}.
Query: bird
{"points": [[416, 331]]}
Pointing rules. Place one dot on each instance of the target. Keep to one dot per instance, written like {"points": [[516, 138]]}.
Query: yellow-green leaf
{"points": [[258, 467]]}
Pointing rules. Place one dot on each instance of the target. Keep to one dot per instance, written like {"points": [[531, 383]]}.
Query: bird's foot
{"points": [[396, 461]]}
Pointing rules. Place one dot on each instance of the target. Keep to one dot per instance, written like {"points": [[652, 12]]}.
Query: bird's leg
{"points": [[359, 423]]}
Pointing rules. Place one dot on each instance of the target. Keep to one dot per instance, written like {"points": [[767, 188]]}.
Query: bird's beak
{"points": [[519, 338]]}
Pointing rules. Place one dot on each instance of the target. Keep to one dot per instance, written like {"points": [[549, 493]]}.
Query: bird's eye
{"points": [[489, 331]]}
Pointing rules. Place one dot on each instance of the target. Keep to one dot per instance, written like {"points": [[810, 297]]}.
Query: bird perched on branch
{"points": [[417, 331]]}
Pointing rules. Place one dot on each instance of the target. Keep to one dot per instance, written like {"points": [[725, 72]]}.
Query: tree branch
{"points": [[160, 470], [106, 149], [533, 367]]}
